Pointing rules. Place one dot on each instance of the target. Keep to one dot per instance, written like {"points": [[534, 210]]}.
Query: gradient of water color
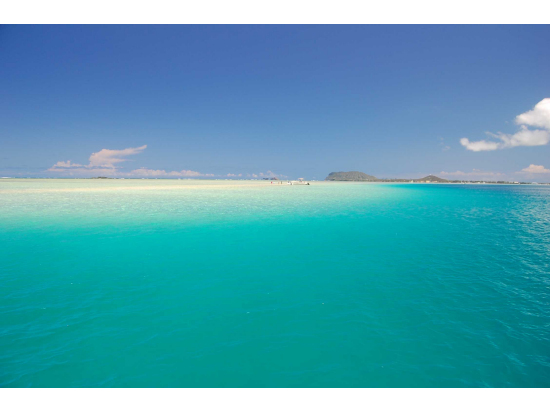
{"points": [[189, 283]]}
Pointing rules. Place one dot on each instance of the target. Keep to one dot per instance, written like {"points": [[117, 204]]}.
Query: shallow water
{"points": [[192, 283]]}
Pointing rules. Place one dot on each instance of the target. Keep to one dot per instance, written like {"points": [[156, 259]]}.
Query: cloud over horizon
{"points": [[146, 172], [474, 174], [538, 117], [268, 174], [108, 158], [65, 164], [105, 162], [536, 169]]}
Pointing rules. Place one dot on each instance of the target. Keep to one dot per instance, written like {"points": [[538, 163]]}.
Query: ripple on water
{"points": [[202, 283]]}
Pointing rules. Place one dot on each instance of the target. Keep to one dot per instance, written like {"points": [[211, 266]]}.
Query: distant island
{"points": [[359, 176], [431, 179], [350, 176]]}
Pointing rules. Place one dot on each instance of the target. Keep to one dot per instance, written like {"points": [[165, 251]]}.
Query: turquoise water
{"points": [[175, 283]]}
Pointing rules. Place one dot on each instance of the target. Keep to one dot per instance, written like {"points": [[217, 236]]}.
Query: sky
{"points": [[460, 102]]}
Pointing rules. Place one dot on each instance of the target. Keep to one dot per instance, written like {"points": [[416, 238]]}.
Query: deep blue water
{"points": [[160, 283]]}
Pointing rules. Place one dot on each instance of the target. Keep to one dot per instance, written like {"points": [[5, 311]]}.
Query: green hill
{"points": [[432, 179], [350, 176]]}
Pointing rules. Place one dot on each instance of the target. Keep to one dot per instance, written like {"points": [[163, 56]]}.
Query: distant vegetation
{"points": [[359, 176], [431, 179], [350, 176]]}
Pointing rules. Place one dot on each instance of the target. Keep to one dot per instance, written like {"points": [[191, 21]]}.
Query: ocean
{"points": [[195, 283]]}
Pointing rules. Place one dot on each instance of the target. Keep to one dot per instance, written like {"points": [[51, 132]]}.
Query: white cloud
{"points": [[104, 160], [539, 116], [271, 174], [268, 174], [104, 163], [474, 174], [145, 172], [479, 145], [108, 158], [536, 169], [523, 138], [66, 164]]}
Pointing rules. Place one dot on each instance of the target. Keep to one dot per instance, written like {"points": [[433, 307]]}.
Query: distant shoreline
{"points": [[378, 181], [429, 179]]}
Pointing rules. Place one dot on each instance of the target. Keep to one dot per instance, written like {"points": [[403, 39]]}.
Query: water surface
{"points": [[193, 283]]}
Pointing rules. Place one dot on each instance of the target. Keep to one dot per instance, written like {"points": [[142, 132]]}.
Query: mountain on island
{"points": [[350, 176], [431, 179], [359, 176]]}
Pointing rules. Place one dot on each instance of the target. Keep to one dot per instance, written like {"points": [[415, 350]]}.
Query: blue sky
{"points": [[296, 101]]}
